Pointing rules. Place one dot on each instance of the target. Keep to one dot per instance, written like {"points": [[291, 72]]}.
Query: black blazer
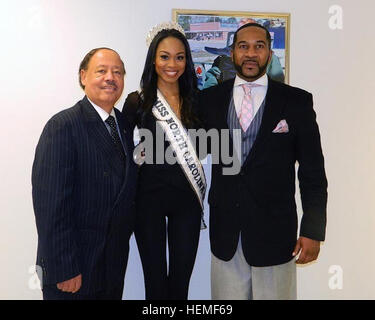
{"points": [[83, 203], [259, 202]]}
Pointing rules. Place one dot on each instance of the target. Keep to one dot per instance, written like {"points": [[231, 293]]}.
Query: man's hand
{"points": [[308, 250], [72, 285]]}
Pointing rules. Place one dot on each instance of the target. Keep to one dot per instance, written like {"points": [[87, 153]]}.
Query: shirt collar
{"points": [[102, 113], [262, 81]]}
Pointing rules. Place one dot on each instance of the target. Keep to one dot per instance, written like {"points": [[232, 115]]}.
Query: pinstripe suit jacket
{"points": [[259, 202], [83, 204]]}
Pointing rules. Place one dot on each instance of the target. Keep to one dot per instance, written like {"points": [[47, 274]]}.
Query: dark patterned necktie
{"points": [[115, 136]]}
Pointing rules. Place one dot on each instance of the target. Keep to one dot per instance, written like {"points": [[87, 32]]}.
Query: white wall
{"points": [[42, 44]]}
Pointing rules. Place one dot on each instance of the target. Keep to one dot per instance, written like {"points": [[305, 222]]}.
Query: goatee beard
{"points": [[261, 71]]}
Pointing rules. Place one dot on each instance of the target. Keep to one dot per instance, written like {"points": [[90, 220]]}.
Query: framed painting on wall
{"points": [[210, 35]]}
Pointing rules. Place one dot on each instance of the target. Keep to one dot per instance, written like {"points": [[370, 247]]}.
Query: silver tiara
{"points": [[162, 26]]}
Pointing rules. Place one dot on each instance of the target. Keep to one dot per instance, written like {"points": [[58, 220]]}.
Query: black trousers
{"points": [[182, 228]]}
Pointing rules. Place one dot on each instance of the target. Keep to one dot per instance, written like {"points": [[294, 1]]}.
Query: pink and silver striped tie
{"points": [[247, 110]]}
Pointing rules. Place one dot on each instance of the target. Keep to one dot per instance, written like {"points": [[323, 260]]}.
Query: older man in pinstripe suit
{"points": [[84, 182]]}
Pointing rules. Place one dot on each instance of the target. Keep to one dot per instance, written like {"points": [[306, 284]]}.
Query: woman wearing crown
{"points": [[170, 195]]}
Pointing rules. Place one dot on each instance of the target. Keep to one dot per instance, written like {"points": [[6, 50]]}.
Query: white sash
{"points": [[181, 145]]}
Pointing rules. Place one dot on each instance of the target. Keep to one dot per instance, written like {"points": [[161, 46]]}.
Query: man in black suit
{"points": [[84, 181], [253, 218]]}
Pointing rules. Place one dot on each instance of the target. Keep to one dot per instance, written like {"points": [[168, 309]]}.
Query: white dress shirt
{"points": [[102, 113], [257, 95]]}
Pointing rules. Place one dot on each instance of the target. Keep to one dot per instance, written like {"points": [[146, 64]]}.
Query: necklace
{"points": [[176, 110]]}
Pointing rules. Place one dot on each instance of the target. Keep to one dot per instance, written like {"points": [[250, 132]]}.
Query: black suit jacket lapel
{"points": [[127, 140], [273, 113], [124, 129], [223, 99], [100, 135]]}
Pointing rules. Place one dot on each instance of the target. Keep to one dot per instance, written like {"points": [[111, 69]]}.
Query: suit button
{"points": [[105, 174], [237, 205]]}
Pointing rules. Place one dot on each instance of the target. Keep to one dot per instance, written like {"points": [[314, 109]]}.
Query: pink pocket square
{"points": [[282, 127]]}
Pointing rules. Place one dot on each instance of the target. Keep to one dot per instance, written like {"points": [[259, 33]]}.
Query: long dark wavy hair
{"points": [[187, 81]]}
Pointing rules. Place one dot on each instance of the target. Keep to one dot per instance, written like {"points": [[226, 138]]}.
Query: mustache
{"points": [[251, 60], [111, 83]]}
